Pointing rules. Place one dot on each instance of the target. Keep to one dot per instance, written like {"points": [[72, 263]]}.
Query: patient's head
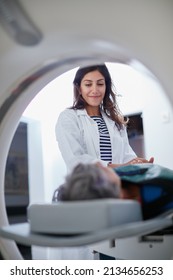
{"points": [[89, 181]]}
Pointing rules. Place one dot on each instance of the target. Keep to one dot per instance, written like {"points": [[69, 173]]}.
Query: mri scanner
{"points": [[40, 40]]}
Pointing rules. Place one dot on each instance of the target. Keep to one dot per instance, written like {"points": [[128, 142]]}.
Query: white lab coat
{"points": [[78, 139]]}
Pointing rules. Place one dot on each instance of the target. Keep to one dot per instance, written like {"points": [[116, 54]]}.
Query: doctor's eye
{"points": [[88, 85], [101, 84]]}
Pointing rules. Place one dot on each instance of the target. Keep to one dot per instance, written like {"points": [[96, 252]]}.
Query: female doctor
{"points": [[93, 129]]}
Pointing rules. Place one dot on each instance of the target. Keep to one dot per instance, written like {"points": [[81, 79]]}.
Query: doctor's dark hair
{"points": [[86, 182], [109, 104]]}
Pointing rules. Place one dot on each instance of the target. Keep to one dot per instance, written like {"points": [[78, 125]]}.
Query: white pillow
{"points": [[82, 216]]}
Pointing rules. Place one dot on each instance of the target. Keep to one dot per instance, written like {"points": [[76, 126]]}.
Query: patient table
{"points": [[113, 227]]}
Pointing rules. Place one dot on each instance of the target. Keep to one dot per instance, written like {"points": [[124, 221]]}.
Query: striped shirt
{"points": [[105, 142]]}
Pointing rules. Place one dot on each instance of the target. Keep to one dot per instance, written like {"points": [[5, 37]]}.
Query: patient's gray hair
{"points": [[86, 181]]}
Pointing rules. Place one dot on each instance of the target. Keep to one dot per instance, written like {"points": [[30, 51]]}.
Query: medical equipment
{"points": [[118, 33], [59, 224], [119, 221]]}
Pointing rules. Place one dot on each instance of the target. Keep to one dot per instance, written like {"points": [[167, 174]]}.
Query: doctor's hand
{"points": [[136, 160], [139, 160]]}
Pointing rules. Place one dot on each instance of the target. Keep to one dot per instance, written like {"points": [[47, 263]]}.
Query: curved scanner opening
{"points": [[107, 46], [20, 98]]}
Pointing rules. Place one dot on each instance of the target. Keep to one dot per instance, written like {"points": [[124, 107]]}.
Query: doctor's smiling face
{"points": [[93, 91], [93, 88]]}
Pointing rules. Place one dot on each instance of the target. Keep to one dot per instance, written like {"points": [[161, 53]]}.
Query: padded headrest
{"points": [[82, 216]]}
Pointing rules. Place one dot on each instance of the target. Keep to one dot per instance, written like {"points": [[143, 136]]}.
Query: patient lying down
{"points": [[150, 184]]}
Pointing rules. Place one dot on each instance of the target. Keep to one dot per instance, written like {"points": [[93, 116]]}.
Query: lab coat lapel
{"points": [[91, 134]]}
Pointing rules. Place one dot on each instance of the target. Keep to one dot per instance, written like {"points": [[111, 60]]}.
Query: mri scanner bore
{"points": [[34, 114], [122, 43]]}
